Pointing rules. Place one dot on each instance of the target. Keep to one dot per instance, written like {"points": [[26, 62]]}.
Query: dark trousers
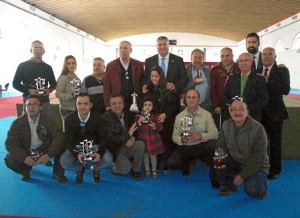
{"points": [[255, 185], [274, 131], [21, 168], [183, 155]]}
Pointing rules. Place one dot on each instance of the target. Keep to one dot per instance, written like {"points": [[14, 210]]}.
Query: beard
{"points": [[252, 50]]}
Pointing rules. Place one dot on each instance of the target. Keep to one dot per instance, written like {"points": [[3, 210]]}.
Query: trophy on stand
{"points": [[134, 108], [147, 115], [198, 79], [87, 148], [75, 87], [220, 158], [186, 125], [40, 85], [35, 153]]}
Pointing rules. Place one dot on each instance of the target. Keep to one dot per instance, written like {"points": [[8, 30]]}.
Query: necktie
{"points": [[163, 65], [266, 73]]}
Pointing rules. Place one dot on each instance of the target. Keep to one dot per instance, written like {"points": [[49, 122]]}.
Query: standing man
{"points": [[251, 86], [200, 142], [93, 85], [124, 76], [274, 113], [245, 142], [218, 76], [118, 135], [32, 139], [199, 82], [252, 45], [172, 65], [82, 126], [30, 71], [176, 77]]}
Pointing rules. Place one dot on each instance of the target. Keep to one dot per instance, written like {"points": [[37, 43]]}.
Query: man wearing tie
{"points": [[252, 45], [274, 113], [176, 77]]}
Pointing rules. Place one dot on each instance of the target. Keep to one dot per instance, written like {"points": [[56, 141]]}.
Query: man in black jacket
{"points": [[249, 85], [274, 113], [83, 127], [118, 134]]}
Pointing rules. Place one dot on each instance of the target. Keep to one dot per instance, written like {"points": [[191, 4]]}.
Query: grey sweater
{"points": [[247, 146]]}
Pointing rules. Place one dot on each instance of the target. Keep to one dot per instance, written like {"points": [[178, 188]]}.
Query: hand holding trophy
{"points": [[220, 158], [186, 127], [40, 85], [147, 115], [35, 153], [87, 148]]}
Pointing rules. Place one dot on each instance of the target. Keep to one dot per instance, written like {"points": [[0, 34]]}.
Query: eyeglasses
{"points": [[241, 110], [126, 75], [34, 105], [238, 98], [38, 48], [235, 98], [243, 60]]}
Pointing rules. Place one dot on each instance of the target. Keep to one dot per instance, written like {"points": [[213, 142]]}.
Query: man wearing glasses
{"points": [[35, 74], [83, 129], [251, 86], [244, 143], [32, 139]]}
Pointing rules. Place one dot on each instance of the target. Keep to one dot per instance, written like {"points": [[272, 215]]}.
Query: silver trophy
{"points": [[40, 85], [186, 125], [147, 115], [35, 153], [134, 108], [220, 158], [76, 85], [87, 148]]}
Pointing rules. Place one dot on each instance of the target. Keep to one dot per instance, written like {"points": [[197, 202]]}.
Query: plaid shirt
{"points": [[151, 136]]}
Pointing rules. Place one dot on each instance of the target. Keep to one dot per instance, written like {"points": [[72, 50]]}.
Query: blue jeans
{"points": [[254, 185], [68, 161]]}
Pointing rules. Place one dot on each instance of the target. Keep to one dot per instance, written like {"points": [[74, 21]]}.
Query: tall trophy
{"points": [[35, 153], [134, 108], [147, 115], [40, 85], [186, 125], [75, 83], [87, 148], [220, 158], [198, 79]]}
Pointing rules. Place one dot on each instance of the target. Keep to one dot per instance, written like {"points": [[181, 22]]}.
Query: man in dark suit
{"points": [[176, 76], [123, 76], [250, 86], [252, 45], [274, 113]]}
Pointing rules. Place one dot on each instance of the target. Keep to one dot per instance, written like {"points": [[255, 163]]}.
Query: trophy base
{"points": [[198, 81], [41, 92], [134, 109]]}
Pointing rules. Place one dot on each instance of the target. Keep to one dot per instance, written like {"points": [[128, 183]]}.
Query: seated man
{"points": [[32, 139], [245, 141], [128, 153], [84, 126], [200, 142]]}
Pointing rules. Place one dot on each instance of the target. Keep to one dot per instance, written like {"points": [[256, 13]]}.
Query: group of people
{"points": [[234, 107]]}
